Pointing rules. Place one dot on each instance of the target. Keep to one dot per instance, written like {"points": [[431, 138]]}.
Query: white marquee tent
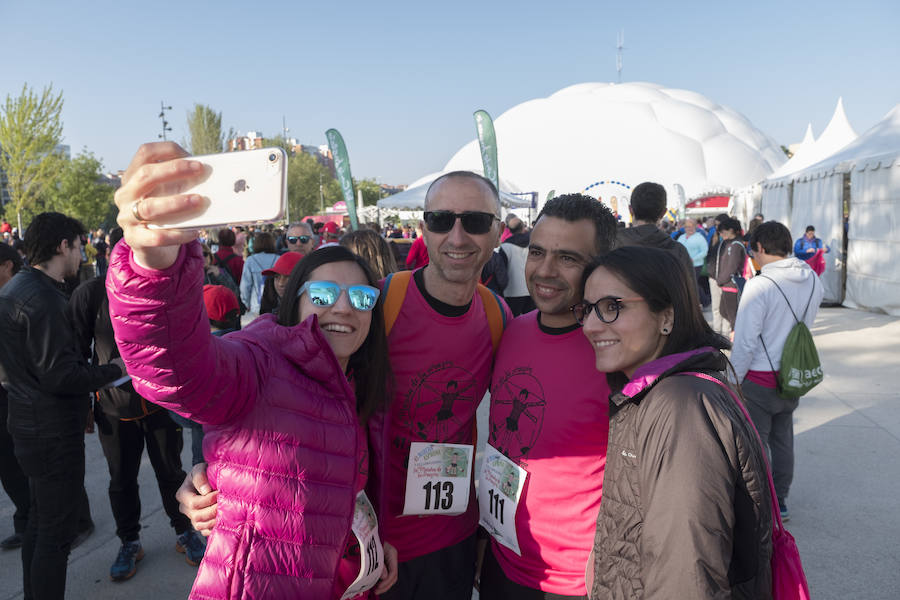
{"points": [[623, 134], [866, 176], [791, 196]]}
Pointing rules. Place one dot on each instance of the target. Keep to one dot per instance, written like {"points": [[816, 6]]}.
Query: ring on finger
{"points": [[135, 211]]}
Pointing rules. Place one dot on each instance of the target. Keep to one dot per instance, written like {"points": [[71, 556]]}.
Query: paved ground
{"points": [[844, 502]]}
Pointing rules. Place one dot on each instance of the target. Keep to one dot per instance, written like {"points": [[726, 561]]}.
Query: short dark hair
{"points": [[115, 236], [648, 202], [263, 242], [369, 365], [810, 228], [46, 232], [8, 253], [578, 207], [467, 175], [774, 237], [658, 277], [729, 224], [225, 237]]}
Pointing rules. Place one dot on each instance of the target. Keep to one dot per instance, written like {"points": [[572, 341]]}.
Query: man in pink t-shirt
{"points": [[441, 354], [550, 414]]}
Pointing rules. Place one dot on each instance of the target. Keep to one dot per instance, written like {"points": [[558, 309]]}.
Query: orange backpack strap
{"points": [[394, 290], [496, 316]]}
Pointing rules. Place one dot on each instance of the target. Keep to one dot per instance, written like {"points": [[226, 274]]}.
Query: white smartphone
{"points": [[248, 186]]}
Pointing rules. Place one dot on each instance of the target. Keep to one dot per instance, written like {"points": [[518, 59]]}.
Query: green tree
{"points": [[30, 131], [305, 176], [205, 128], [81, 191], [371, 191]]}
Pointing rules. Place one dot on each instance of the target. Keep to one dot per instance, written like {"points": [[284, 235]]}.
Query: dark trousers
{"points": [[495, 585], [702, 286], [123, 444], [55, 470], [12, 478], [774, 420], [196, 430], [446, 574]]}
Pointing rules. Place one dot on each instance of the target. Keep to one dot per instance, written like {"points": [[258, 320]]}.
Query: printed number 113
{"points": [[434, 488]]}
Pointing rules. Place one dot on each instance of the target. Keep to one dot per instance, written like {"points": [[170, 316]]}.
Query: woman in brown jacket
{"points": [[685, 510]]}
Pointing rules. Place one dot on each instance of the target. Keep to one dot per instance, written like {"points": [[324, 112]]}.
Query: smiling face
{"points": [[344, 327], [457, 257], [558, 252], [635, 338]]}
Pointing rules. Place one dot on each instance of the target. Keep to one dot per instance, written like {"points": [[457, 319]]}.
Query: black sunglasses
{"points": [[293, 239], [442, 221]]}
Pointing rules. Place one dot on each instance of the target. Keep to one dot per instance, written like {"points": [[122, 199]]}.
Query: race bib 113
{"points": [[438, 479]]}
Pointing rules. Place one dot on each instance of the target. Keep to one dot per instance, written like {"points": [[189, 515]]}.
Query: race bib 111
{"points": [[438, 479], [499, 490]]}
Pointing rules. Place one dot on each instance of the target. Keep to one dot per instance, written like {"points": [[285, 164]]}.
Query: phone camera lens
{"points": [[273, 157]]}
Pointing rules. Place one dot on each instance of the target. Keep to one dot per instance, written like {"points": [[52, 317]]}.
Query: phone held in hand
{"points": [[248, 186]]}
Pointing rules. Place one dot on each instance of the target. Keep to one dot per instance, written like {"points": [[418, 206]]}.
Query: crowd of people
{"points": [[333, 435]]}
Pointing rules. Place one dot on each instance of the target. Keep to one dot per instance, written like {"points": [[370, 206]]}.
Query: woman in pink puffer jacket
{"points": [[285, 434]]}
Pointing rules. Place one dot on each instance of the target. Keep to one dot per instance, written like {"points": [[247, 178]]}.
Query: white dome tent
{"points": [[625, 134]]}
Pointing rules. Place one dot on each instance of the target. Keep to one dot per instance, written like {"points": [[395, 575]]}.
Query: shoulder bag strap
{"points": [[495, 315], [776, 511], [394, 290]]}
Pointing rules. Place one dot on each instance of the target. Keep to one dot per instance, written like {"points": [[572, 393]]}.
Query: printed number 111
{"points": [[495, 504], [434, 489]]}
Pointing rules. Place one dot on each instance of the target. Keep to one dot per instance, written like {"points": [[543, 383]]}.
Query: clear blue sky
{"points": [[400, 80]]}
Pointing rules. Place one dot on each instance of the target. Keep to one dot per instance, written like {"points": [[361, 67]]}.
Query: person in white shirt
{"points": [[760, 331]]}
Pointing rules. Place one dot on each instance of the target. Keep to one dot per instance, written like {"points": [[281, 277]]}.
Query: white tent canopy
{"points": [[864, 176], [611, 137], [837, 134], [413, 197]]}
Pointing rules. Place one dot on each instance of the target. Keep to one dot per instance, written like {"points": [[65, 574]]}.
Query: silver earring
{"points": [[665, 330]]}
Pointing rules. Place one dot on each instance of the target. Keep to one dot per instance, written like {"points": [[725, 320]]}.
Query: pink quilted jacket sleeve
{"points": [[163, 335]]}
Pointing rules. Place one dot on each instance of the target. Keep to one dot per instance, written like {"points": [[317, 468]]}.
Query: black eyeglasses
{"points": [[473, 222], [607, 308], [293, 239]]}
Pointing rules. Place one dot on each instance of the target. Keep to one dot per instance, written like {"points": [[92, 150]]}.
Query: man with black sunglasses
{"points": [[549, 418], [300, 238], [441, 354]]}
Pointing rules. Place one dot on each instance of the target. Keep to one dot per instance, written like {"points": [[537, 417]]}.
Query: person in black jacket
{"points": [[11, 476], [647, 206], [47, 380], [125, 423]]}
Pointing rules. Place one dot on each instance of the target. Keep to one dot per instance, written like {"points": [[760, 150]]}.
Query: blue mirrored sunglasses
{"points": [[326, 293]]}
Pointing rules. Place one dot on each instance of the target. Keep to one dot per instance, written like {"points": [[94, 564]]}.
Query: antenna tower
{"points": [[620, 45]]}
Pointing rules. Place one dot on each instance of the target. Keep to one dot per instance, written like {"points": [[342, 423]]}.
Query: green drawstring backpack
{"points": [[800, 370]]}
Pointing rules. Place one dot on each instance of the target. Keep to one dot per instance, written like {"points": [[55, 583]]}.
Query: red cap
{"points": [[285, 264], [219, 302], [330, 227]]}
